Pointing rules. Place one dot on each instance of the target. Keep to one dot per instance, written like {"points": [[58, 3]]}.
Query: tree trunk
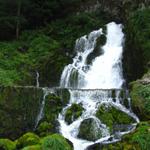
{"points": [[18, 19]]}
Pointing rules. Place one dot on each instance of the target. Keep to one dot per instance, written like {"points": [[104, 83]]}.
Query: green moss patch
{"points": [[27, 140], [89, 130], [55, 142], [73, 113], [6, 144], [112, 117]]}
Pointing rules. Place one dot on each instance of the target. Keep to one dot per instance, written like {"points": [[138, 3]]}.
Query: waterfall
{"points": [[37, 79], [91, 84]]}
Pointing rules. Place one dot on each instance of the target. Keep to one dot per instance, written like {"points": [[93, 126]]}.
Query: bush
{"points": [[55, 142], [27, 140], [6, 144]]}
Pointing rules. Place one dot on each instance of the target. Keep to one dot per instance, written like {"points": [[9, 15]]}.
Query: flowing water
{"points": [[37, 79], [91, 84]]}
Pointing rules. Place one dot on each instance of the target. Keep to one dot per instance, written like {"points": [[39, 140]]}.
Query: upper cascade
{"points": [[105, 71]]}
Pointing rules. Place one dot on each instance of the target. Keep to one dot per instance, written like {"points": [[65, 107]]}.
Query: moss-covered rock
{"points": [[140, 97], [64, 94], [73, 112], [6, 144], [27, 140], [19, 107], [89, 130], [55, 142], [53, 106], [113, 117]]}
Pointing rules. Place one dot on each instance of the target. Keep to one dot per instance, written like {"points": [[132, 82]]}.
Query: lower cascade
{"points": [[99, 110]]}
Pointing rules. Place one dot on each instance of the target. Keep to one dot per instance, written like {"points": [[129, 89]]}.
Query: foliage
{"points": [[142, 136], [44, 128], [136, 140], [30, 141], [18, 59], [6, 144], [42, 49], [27, 140], [137, 44]]}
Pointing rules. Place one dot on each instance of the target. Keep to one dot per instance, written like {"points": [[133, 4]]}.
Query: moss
{"points": [[112, 117], [19, 105], [53, 106], [55, 142], [89, 130], [27, 140], [34, 147], [44, 128], [140, 99], [6, 144], [64, 94], [73, 113]]}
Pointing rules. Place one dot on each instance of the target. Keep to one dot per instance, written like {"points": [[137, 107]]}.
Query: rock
{"points": [[97, 50], [27, 140], [53, 106], [55, 142], [21, 104], [89, 130], [136, 51], [6, 144], [73, 113], [113, 118], [140, 99], [19, 107]]}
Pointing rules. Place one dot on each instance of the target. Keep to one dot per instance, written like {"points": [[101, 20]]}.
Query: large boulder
{"points": [[140, 97], [19, 107], [89, 130]]}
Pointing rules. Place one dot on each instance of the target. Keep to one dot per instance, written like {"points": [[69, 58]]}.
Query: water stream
{"points": [[91, 84]]}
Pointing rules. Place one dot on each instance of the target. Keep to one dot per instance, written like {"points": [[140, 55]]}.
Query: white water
{"points": [[83, 80], [37, 79]]}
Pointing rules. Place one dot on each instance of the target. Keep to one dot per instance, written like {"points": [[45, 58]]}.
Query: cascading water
{"points": [[90, 85], [37, 79]]}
